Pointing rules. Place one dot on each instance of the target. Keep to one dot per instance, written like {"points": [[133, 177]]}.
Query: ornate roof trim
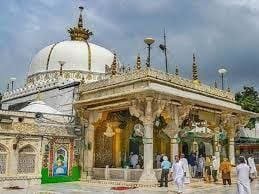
{"points": [[170, 79]]}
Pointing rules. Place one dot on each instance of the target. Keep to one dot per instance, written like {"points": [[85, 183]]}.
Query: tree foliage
{"points": [[248, 99]]}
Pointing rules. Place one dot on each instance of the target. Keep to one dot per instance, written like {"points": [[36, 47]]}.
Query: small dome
{"points": [[76, 55], [40, 106]]}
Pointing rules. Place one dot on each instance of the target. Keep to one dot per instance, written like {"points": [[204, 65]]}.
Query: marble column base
{"points": [[83, 176], [148, 177]]}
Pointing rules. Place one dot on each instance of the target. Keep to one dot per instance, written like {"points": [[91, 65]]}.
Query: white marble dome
{"points": [[75, 54]]}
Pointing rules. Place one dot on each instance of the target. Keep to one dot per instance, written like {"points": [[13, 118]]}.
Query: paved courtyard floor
{"points": [[82, 187]]}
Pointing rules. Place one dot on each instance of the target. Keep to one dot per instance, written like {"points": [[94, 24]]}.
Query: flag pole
{"points": [[166, 65]]}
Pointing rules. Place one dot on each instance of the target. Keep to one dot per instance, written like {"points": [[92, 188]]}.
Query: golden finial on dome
{"points": [[114, 65], [194, 70], [138, 63], [79, 32]]}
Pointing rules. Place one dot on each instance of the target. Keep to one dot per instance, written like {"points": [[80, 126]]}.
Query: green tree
{"points": [[248, 99]]}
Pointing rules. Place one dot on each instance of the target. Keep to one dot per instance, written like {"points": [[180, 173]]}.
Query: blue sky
{"points": [[222, 33]]}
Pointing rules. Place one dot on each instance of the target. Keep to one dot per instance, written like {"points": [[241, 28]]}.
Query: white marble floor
{"points": [[81, 187]]}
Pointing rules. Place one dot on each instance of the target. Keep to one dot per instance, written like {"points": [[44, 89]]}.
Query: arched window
{"points": [[26, 160], [60, 167], [3, 159]]}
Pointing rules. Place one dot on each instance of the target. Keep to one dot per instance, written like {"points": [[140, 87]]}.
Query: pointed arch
{"points": [[26, 159], [28, 149], [60, 167]]}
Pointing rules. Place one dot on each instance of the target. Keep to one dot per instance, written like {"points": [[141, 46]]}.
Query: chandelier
{"points": [[109, 132]]}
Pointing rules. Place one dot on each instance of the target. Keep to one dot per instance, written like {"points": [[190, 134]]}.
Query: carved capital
{"points": [[148, 109], [136, 109], [82, 114], [158, 107], [94, 116], [184, 111]]}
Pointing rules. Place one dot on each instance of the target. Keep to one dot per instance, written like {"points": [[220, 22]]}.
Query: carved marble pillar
{"points": [[229, 125], [174, 147], [13, 162], [153, 108], [231, 149], [88, 159], [90, 151], [216, 146], [149, 173]]}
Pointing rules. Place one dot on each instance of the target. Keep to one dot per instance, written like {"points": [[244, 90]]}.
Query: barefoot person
{"points": [[185, 165], [251, 164], [165, 165], [225, 169], [243, 182], [215, 168], [178, 174]]}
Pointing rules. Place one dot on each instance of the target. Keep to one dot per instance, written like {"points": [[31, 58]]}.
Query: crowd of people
{"points": [[208, 168], [136, 161]]}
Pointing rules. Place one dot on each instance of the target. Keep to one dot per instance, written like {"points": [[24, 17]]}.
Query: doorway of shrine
{"points": [[201, 150], [119, 135]]}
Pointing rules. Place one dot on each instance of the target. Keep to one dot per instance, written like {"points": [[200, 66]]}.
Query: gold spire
{"points": [[215, 84], [79, 32], [194, 70], [114, 65], [138, 63], [176, 70]]}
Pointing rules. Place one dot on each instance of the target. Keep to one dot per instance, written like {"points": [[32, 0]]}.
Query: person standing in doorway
{"points": [[200, 168], [225, 169], [215, 168], [192, 164], [208, 169], [165, 165], [184, 162], [243, 182], [178, 174], [134, 160], [158, 163], [251, 164]]}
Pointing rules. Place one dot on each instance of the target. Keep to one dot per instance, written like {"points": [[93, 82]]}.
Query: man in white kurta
{"points": [[243, 181], [185, 165], [251, 164], [134, 160], [178, 174]]}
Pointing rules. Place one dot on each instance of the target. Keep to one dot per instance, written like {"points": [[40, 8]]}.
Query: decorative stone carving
{"points": [[173, 80], [183, 112], [147, 109]]}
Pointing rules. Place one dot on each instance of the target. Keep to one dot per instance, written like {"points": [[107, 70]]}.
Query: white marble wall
{"points": [[59, 98]]}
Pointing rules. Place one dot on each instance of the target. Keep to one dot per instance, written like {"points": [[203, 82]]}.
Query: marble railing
{"points": [[170, 79], [122, 174]]}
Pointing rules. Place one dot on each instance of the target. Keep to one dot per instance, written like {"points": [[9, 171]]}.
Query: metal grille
{"points": [[26, 160], [3, 158]]}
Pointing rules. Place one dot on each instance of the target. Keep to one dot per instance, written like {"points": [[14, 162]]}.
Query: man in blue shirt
{"points": [[165, 165], [192, 164]]}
